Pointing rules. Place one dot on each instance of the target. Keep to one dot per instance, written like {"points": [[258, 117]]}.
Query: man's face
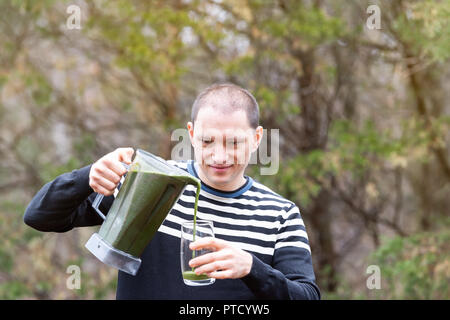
{"points": [[222, 145]]}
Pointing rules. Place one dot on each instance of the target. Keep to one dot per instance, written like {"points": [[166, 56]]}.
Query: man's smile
{"points": [[220, 168]]}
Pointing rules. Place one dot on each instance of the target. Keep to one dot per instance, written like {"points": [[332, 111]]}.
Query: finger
{"points": [[125, 154], [213, 266], [115, 166], [207, 258], [106, 173], [104, 183], [208, 242], [222, 274], [99, 189]]}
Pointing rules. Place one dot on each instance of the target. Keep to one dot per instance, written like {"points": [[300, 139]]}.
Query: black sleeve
{"points": [[291, 274], [65, 203], [269, 282]]}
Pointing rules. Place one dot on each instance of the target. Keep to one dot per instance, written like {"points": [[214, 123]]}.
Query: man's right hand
{"points": [[106, 173]]}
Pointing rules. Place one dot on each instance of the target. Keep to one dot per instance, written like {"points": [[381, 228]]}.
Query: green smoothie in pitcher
{"points": [[151, 188], [141, 206]]}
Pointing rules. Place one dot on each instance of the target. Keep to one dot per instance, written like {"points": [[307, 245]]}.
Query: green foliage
{"points": [[84, 149], [39, 88], [309, 24], [357, 149], [415, 267], [12, 225], [6, 261], [352, 150], [30, 7], [50, 171], [13, 290], [136, 31], [425, 27]]}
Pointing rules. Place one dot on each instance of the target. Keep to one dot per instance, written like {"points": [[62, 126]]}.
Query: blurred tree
{"points": [[363, 119]]}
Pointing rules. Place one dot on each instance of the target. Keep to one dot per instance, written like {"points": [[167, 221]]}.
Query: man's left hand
{"points": [[226, 262]]}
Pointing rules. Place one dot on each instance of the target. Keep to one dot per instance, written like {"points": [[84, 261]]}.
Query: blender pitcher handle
{"points": [[99, 197]]}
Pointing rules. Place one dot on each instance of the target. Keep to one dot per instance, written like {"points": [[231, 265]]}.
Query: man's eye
{"points": [[206, 141], [235, 142]]}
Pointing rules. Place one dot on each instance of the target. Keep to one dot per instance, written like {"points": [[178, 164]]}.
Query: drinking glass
{"points": [[189, 233]]}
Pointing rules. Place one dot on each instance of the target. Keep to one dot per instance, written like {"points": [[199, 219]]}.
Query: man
{"points": [[261, 248]]}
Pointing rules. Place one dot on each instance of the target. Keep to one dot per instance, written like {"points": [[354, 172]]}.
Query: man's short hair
{"points": [[227, 97]]}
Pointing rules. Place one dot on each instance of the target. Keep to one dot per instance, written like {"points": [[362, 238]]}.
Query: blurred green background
{"points": [[363, 114]]}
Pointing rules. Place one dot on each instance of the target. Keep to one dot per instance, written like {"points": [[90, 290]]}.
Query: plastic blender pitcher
{"points": [[150, 189]]}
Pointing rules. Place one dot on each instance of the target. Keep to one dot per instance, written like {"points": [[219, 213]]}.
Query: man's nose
{"points": [[220, 155]]}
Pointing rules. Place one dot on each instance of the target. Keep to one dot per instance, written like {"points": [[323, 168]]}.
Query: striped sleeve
{"points": [[291, 274], [292, 231]]}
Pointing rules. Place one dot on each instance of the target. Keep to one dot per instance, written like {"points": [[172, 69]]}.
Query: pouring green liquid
{"points": [[191, 275], [151, 188], [140, 208]]}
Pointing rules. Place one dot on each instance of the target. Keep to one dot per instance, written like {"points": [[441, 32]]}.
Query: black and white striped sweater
{"points": [[253, 218]]}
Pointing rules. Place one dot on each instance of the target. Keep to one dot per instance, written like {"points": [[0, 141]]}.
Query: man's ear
{"points": [[257, 138], [190, 127]]}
